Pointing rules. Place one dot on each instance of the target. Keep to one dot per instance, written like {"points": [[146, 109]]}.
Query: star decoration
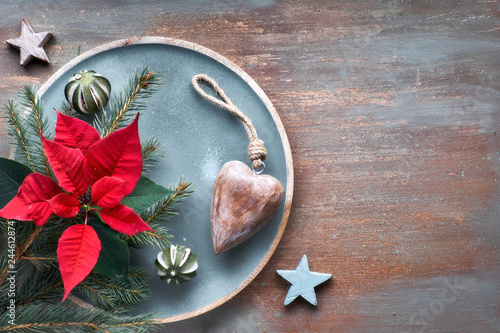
{"points": [[303, 282], [31, 44]]}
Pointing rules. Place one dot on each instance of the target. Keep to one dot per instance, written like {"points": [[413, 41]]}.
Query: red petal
{"points": [[30, 203], [107, 191], [77, 254], [124, 219], [67, 164], [118, 155], [37, 187], [65, 205], [16, 210], [75, 133]]}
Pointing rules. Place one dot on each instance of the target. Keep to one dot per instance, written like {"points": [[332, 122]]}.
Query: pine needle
{"points": [[37, 122], [65, 318], [126, 104], [40, 288], [108, 293], [16, 129], [151, 153], [65, 108], [159, 236], [166, 207], [160, 212]]}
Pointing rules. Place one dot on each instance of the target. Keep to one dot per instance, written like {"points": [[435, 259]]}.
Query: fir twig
{"points": [[38, 258], [159, 236], [18, 132], [21, 249], [4, 227], [166, 207], [160, 212], [30, 240], [4, 289], [150, 153], [65, 108], [39, 288], [64, 318], [108, 293], [129, 102], [36, 120]]}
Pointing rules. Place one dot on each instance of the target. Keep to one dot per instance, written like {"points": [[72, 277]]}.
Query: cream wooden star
{"points": [[31, 44], [303, 282]]}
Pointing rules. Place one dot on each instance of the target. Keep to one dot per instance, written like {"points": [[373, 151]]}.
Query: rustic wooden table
{"points": [[391, 109]]}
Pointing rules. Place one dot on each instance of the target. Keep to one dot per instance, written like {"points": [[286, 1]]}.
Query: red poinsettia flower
{"points": [[80, 159]]}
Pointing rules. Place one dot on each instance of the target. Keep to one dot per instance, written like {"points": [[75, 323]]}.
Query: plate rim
{"points": [[263, 97]]}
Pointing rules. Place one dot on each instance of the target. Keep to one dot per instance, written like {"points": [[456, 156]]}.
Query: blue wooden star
{"points": [[303, 282]]}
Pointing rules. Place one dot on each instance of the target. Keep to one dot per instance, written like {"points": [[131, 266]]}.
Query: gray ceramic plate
{"points": [[199, 138]]}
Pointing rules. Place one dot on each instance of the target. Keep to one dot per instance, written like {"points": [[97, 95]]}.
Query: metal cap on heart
{"points": [[242, 204]]}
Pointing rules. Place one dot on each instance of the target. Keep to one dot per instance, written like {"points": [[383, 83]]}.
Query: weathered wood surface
{"points": [[391, 109]]}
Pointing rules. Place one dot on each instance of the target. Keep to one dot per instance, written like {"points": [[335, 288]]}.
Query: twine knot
{"points": [[257, 153], [256, 150]]}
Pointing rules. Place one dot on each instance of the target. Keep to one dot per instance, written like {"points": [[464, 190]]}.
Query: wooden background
{"points": [[391, 109]]}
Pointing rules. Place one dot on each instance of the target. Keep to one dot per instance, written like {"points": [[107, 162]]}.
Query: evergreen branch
{"points": [[20, 251], [158, 236], [47, 294], [99, 298], [149, 147], [64, 318], [4, 226], [42, 251], [67, 109], [35, 294], [30, 240], [40, 288], [28, 98], [18, 132], [38, 258], [41, 262], [4, 290], [158, 212], [45, 244], [38, 123], [129, 102], [150, 153], [165, 207], [107, 293]]}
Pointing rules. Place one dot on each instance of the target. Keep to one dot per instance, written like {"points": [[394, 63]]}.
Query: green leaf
{"points": [[114, 258], [12, 174], [145, 194]]}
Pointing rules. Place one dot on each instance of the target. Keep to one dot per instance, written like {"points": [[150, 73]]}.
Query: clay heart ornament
{"points": [[242, 204]]}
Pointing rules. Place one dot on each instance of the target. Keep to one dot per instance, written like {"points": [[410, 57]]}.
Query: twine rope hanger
{"points": [[256, 150]]}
